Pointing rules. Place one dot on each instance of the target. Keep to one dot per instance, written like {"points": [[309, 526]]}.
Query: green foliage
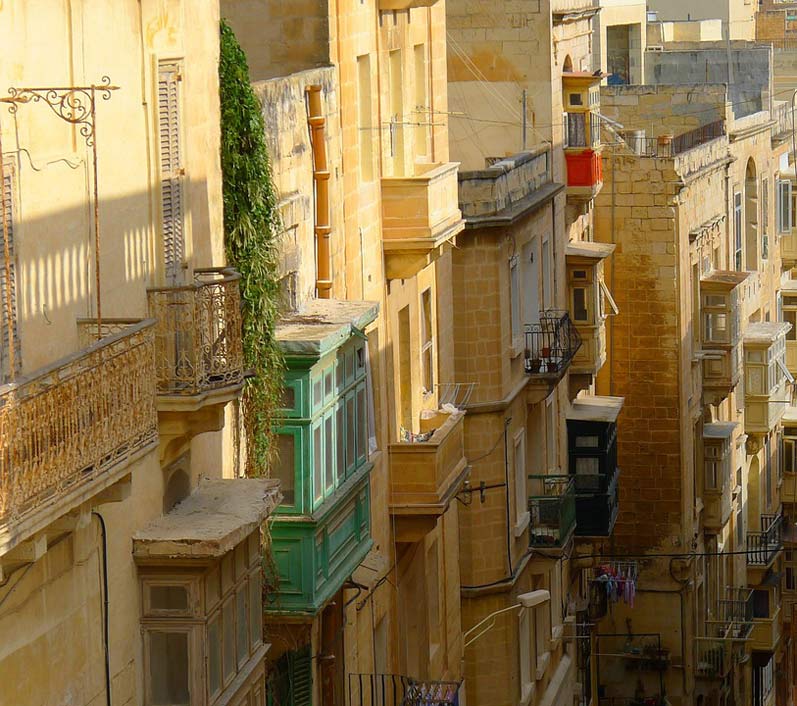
{"points": [[251, 229]]}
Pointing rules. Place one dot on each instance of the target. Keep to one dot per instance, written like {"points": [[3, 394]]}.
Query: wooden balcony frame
{"points": [[71, 430]]}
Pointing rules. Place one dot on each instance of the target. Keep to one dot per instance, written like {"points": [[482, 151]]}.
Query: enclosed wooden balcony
{"points": [[426, 475], [552, 509], [717, 483], [71, 430], [720, 334], [590, 303], [198, 339], [765, 376], [584, 174], [420, 216]]}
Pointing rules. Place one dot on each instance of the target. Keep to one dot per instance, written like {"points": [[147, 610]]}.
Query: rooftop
{"points": [[321, 325], [719, 430], [766, 331], [211, 521], [589, 250], [596, 409]]}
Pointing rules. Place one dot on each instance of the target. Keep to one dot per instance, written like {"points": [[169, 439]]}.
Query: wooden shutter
{"points": [[7, 283], [290, 680], [171, 165], [301, 668]]}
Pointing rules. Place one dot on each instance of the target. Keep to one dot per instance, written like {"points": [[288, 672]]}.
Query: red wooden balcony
{"points": [[584, 173]]}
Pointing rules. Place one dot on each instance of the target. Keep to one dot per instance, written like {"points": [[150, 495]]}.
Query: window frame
{"points": [[522, 515]]}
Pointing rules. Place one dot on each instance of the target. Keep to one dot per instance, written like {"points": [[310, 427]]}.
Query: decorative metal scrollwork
{"points": [[74, 104]]}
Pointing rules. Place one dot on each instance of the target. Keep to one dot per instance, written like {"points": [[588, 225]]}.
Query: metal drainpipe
{"points": [[317, 123], [105, 631]]}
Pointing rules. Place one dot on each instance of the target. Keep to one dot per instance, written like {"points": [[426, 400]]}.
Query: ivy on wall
{"points": [[251, 229]]}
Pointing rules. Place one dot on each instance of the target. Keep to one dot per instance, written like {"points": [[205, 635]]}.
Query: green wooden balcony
{"points": [[322, 530], [552, 507]]}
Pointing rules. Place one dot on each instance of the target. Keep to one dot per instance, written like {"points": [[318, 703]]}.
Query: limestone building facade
{"points": [[372, 432], [130, 567]]}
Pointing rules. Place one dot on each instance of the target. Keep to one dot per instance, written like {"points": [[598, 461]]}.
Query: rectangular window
{"points": [[427, 341], [514, 302], [8, 289], [550, 433], [576, 130], [365, 123], [764, 206], [396, 111], [171, 169], [318, 462], [521, 493], [580, 312], [168, 668], [329, 451], [286, 467], [790, 455], [790, 316], [737, 230], [547, 274], [784, 205], [422, 112]]}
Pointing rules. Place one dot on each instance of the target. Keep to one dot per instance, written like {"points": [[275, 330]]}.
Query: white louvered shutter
{"points": [[8, 280], [171, 164]]}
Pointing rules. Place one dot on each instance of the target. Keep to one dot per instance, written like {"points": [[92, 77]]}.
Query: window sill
{"points": [[522, 525], [527, 694], [542, 664], [556, 637]]}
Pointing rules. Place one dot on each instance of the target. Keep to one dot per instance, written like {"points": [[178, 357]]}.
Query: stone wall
{"points": [[664, 109], [750, 76], [503, 183]]}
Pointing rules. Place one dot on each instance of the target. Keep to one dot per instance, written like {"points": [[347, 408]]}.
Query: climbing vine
{"points": [[251, 229]]}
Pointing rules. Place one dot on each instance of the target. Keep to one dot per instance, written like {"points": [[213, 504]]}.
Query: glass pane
{"points": [[229, 639], [168, 668], [350, 432], [241, 626], [214, 655], [168, 598], [318, 464], [240, 560], [255, 609], [362, 422], [341, 442], [226, 573], [212, 588], [285, 467], [329, 449], [587, 442], [580, 304], [288, 398]]}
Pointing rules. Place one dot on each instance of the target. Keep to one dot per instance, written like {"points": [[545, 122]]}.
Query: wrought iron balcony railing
{"points": [[552, 505], [763, 546], [712, 658], [551, 344], [397, 690], [70, 423], [198, 334], [733, 617]]}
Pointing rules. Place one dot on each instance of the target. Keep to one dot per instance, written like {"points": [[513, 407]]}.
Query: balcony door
{"points": [[331, 661], [530, 285]]}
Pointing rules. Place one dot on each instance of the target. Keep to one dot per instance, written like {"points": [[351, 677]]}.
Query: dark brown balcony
{"points": [[70, 430]]}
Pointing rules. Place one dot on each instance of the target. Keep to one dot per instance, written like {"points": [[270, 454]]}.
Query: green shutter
{"points": [[302, 678], [290, 680]]}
